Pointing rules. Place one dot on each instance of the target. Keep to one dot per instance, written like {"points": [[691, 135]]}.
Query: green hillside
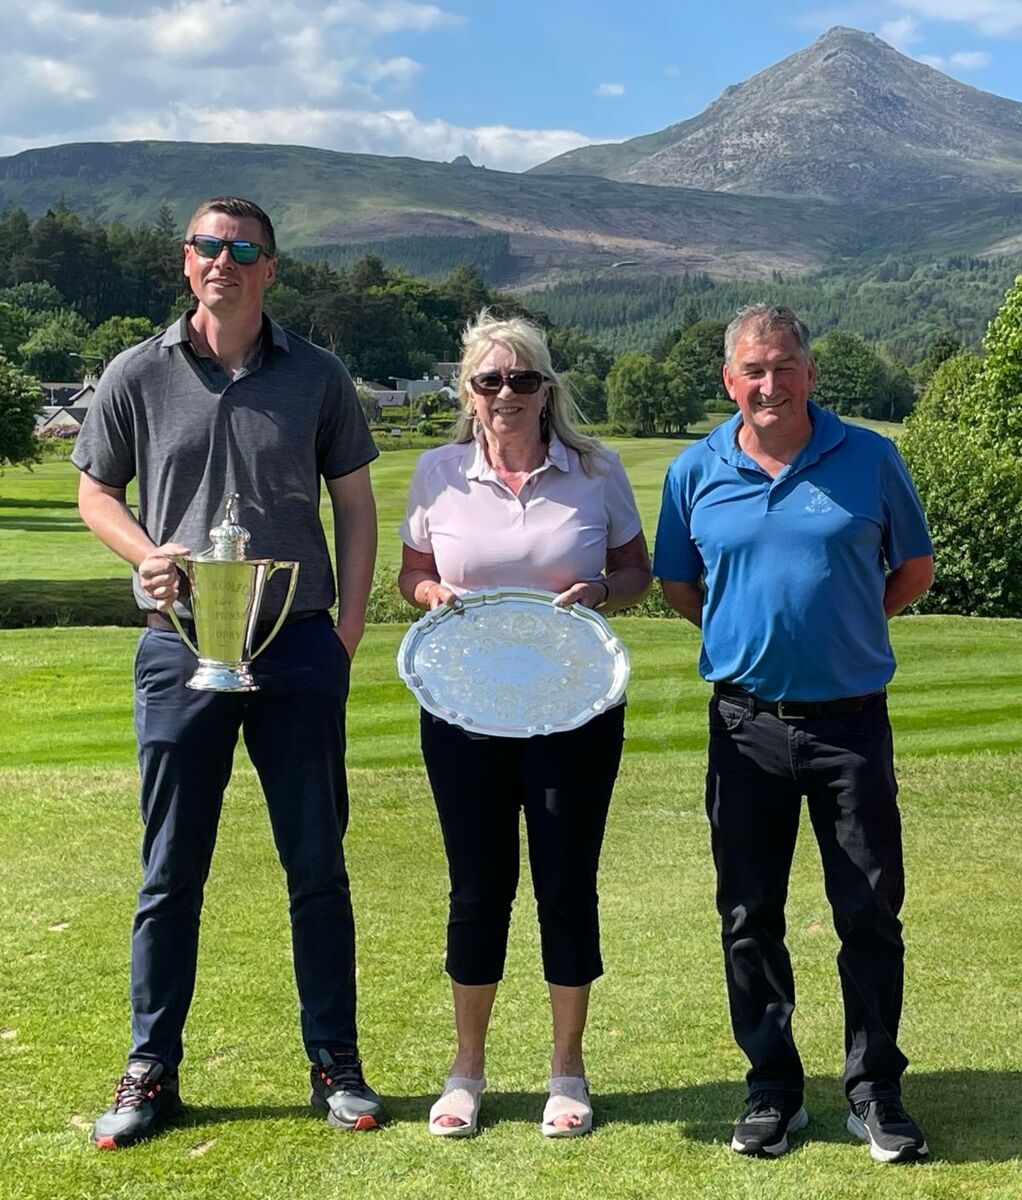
{"points": [[530, 229]]}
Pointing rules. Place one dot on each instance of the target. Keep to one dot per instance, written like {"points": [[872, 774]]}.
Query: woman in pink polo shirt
{"points": [[520, 498]]}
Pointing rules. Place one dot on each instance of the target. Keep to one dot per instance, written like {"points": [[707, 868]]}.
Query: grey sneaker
{"points": [[762, 1130], [892, 1134], [146, 1098], [339, 1089]]}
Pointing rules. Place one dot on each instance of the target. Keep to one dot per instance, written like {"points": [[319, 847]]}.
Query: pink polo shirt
{"points": [[554, 533]]}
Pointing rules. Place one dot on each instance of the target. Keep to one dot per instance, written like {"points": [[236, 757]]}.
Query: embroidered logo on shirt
{"points": [[819, 500]]}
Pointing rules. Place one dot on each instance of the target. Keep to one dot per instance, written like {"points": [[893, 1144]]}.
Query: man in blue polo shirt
{"points": [[790, 538]]}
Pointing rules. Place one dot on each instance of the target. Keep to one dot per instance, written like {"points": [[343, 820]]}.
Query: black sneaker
{"points": [[892, 1134], [340, 1090], [146, 1098], [764, 1126]]}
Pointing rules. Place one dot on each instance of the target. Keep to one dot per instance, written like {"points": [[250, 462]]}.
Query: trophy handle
{"points": [[177, 625], [182, 565], [274, 567]]}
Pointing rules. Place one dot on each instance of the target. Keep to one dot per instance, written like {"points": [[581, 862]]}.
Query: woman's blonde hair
{"points": [[527, 342]]}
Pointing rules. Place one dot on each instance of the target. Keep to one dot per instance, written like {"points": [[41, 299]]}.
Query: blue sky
{"points": [[509, 83]]}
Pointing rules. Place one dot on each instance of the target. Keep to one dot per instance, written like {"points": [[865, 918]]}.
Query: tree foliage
{"points": [[52, 349], [944, 346], [856, 380], [699, 352], [14, 328], [645, 396], [106, 341], [963, 445], [20, 401], [850, 375]]}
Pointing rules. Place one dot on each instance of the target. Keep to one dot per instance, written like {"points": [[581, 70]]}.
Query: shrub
{"points": [[963, 446], [20, 400]]}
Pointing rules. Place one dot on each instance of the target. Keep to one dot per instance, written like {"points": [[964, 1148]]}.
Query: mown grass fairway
{"points": [[667, 1079]]}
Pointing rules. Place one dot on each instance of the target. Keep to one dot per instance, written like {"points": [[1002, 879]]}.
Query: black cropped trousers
{"points": [[563, 784]]}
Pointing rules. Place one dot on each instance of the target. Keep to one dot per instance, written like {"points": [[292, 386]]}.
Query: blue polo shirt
{"points": [[794, 567]]}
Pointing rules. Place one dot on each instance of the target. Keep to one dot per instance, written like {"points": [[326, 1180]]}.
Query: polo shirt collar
{"points": [[828, 432], [273, 334], [477, 466]]}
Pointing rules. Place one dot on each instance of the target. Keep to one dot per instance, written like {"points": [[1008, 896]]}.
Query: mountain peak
{"points": [[844, 33], [847, 118]]}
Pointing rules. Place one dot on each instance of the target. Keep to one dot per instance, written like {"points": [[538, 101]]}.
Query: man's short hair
{"points": [[235, 206], [766, 318]]}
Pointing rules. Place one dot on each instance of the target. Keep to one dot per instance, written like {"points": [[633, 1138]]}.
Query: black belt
{"points": [[796, 710], [158, 620]]}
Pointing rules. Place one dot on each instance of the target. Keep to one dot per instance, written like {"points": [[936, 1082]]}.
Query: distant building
{"points": [[383, 397], [447, 371], [416, 387], [59, 395], [68, 408], [55, 417]]}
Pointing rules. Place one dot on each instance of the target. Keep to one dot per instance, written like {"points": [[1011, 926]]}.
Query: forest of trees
{"points": [[73, 289], [75, 292], [899, 307]]}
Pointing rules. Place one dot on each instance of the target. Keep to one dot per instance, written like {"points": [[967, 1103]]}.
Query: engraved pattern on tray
{"points": [[513, 665]]}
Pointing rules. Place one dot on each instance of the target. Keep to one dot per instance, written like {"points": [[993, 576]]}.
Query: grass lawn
{"points": [[667, 1078]]}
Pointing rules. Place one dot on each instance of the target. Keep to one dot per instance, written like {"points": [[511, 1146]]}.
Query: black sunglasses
{"points": [[243, 253], [522, 383]]}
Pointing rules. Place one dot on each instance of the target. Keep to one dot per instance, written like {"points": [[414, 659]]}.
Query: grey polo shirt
{"points": [[191, 435]]}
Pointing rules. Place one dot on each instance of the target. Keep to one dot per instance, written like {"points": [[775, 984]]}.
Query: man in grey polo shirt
{"points": [[226, 401]]}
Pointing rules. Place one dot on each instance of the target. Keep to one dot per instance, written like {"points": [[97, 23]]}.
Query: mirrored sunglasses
{"points": [[522, 383], [243, 253]]}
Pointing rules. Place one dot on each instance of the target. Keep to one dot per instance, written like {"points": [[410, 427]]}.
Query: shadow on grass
{"points": [[42, 525], [7, 502], [29, 603], [195, 1115], [967, 1115]]}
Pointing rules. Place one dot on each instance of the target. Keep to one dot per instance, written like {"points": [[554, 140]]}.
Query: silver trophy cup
{"points": [[226, 596]]}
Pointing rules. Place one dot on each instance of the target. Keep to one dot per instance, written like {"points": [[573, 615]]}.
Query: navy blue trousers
{"points": [[760, 767], [294, 731]]}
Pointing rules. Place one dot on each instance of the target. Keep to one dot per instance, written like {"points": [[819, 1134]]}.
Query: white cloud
{"points": [[279, 71], [609, 89], [964, 60], [389, 16], [992, 17], [394, 132], [900, 33], [671, 72], [60, 80], [398, 70]]}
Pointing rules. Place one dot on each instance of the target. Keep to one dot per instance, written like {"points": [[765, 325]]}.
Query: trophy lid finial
{"points": [[229, 538]]}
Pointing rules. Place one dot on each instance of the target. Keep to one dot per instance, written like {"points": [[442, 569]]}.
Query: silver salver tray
{"points": [[509, 663]]}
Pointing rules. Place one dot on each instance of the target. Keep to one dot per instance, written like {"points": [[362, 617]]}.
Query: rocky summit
{"points": [[848, 118]]}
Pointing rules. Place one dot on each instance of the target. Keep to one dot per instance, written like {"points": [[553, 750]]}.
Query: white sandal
{"points": [[460, 1098], [569, 1097]]}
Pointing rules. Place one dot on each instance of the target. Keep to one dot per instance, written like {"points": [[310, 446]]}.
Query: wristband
{"points": [[606, 592]]}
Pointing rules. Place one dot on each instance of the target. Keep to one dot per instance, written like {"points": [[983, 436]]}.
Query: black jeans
{"points": [[760, 767], [563, 782], [294, 731]]}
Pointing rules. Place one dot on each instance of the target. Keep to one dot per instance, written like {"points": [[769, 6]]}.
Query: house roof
{"points": [[52, 415]]}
